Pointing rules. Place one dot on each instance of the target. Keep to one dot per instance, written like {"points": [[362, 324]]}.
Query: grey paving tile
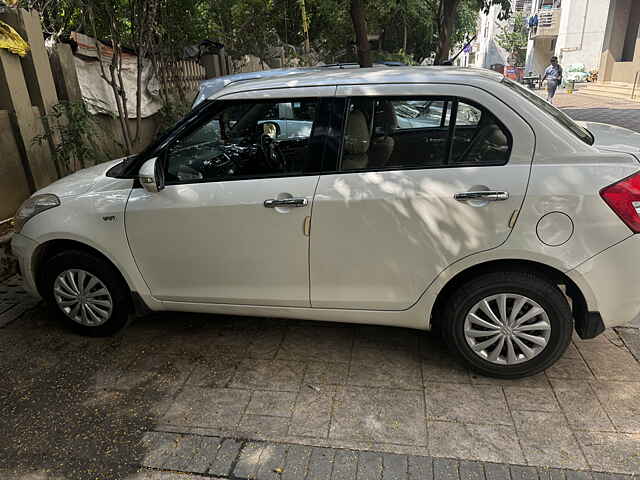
{"points": [[297, 463], [445, 469], [581, 406], [631, 338], [277, 404], [328, 344], [551, 473], [520, 472], [156, 446], [420, 468], [393, 368], [312, 411], [227, 453], [332, 373], [224, 407], [536, 381], [155, 372], [547, 440], [372, 336], [249, 460], [467, 403], [379, 415], [345, 465], [191, 453], [321, 463], [213, 372], [269, 375], [369, 466], [621, 401], [446, 369], [611, 452], [577, 475], [272, 462], [497, 471], [488, 443], [471, 470], [262, 426], [570, 367], [531, 399], [394, 467], [610, 362]]}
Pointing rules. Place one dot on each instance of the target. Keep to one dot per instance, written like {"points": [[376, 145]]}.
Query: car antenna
{"points": [[450, 61]]}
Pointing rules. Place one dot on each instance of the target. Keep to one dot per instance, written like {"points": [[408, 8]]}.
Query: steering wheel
{"points": [[273, 157]]}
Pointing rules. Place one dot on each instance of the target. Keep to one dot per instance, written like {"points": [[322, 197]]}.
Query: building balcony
{"points": [[548, 23]]}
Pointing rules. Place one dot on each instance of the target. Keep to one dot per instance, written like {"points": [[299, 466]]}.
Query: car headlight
{"points": [[33, 206]]}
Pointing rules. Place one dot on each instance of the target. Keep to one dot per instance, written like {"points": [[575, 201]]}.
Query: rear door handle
{"points": [[286, 202], [489, 195]]}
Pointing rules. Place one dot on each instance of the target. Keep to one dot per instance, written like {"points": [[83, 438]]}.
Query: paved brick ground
{"points": [[74, 406], [600, 109]]}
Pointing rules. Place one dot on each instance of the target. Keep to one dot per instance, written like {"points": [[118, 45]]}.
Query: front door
{"points": [[229, 227], [381, 233]]}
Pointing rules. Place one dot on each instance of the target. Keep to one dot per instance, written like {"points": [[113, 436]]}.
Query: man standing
{"points": [[553, 75]]}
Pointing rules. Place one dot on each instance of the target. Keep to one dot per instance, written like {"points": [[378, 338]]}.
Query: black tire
{"points": [[532, 285], [106, 273]]}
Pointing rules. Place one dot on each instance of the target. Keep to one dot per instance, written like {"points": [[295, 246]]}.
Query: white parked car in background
{"points": [[411, 197]]}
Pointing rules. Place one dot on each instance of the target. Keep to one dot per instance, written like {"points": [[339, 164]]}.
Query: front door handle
{"points": [[286, 202], [488, 195]]}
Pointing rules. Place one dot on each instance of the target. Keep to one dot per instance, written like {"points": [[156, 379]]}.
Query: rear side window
{"points": [[421, 132]]}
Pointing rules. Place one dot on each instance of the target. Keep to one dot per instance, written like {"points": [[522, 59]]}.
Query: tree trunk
{"points": [[360, 27], [446, 25]]}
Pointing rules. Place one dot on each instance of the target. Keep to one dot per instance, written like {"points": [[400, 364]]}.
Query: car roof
{"points": [[374, 75], [209, 87]]}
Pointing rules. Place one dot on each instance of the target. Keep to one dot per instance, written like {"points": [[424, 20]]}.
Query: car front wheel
{"points": [[508, 324], [86, 292]]}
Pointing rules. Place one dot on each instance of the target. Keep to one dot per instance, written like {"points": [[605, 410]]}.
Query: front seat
{"points": [[356, 142], [382, 146]]}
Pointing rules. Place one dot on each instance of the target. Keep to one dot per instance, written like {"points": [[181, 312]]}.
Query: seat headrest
{"points": [[356, 138]]}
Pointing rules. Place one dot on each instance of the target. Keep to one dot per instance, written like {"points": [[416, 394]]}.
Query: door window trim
{"points": [[455, 99]]}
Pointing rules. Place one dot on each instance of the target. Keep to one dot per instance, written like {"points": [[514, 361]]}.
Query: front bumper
{"points": [[24, 248], [613, 276]]}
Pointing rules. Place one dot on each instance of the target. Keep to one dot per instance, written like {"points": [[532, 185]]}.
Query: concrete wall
{"points": [[582, 30], [13, 181], [489, 52], [612, 69]]}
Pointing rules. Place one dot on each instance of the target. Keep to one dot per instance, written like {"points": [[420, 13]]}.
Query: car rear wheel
{"points": [[87, 293], [508, 324]]}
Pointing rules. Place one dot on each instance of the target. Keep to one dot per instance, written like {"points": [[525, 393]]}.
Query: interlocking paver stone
{"points": [[272, 461], [249, 460], [394, 467], [581, 406], [611, 452], [621, 401], [312, 412], [445, 469], [547, 440], [467, 403], [369, 466], [345, 465], [321, 463], [531, 399], [380, 415], [519, 472], [420, 468], [226, 454], [471, 470], [297, 463]]}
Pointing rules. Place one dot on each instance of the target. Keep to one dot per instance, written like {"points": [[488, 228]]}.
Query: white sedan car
{"points": [[411, 197]]}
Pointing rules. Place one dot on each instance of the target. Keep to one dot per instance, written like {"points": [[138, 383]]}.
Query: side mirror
{"points": [[270, 129], [151, 175]]}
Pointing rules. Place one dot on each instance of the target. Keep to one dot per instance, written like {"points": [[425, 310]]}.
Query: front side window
{"points": [[397, 133], [247, 139]]}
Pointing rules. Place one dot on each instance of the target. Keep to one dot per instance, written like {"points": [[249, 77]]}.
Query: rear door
{"points": [[382, 233]]}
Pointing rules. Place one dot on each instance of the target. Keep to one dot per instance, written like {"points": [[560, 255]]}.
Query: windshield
{"points": [[559, 116]]}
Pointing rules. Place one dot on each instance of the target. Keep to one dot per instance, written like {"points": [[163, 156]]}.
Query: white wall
{"points": [[582, 28], [489, 53]]}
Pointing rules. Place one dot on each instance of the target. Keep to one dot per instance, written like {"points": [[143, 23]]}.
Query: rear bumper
{"points": [[613, 278], [24, 248]]}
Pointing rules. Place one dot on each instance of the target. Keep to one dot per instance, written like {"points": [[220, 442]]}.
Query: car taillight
{"points": [[624, 199]]}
